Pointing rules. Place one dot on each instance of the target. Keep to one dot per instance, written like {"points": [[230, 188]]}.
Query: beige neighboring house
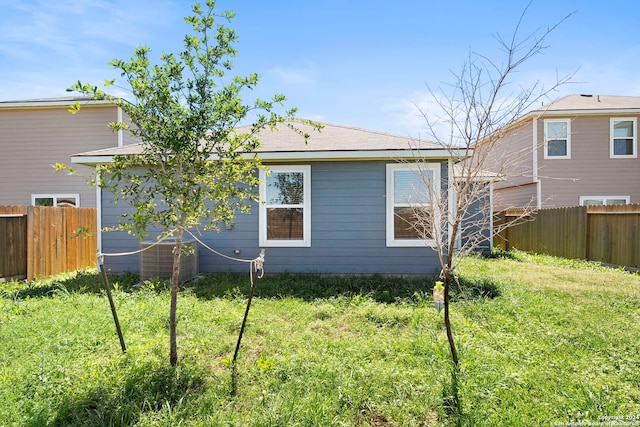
{"points": [[577, 150], [36, 134]]}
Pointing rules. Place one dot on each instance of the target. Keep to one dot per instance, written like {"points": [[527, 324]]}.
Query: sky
{"points": [[367, 64]]}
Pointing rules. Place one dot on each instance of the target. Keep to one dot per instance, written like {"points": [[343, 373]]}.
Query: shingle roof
{"points": [[336, 138], [332, 138], [591, 103], [64, 101]]}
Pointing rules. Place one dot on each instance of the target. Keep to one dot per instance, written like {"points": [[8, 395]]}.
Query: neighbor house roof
{"points": [[333, 142], [65, 101], [571, 105], [591, 104]]}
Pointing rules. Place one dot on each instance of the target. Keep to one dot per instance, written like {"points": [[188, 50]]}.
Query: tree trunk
{"points": [[175, 276], [447, 320]]}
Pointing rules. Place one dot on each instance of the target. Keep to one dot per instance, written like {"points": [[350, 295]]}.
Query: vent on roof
{"points": [[157, 260]]}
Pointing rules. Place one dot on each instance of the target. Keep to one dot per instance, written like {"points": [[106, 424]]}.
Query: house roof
{"points": [[591, 104], [333, 142], [572, 105], [65, 101]]}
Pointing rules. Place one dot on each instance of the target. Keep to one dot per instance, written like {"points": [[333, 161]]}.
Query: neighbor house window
{"points": [[557, 139], [62, 200], [604, 200], [285, 206], [410, 192], [623, 138]]}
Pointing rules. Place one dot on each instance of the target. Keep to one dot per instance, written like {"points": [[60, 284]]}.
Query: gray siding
{"points": [[347, 231]]}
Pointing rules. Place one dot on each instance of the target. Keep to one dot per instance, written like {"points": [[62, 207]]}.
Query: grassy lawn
{"points": [[542, 342]]}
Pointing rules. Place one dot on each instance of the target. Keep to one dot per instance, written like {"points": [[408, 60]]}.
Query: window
{"points": [[623, 138], [62, 200], [285, 209], [557, 141], [409, 199], [604, 200]]}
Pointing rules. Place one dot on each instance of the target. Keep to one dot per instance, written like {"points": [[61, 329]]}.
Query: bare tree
{"points": [[479, 108]]}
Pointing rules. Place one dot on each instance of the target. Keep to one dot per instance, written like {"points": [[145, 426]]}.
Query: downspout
{"points": [[536, 180], [120, 131], [491, 215], [98, 211], [451, 201]]}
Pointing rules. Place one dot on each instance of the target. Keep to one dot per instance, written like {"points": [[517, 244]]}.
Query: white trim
{"points": [[53, 103], [120, 131], [98, 210], [55, 197], [604, 199], [306, 207], [536, 177], [453, 198], [568, 139], [348, 155], [491, 216], [634, 138], [586, 112], [390, 213]]}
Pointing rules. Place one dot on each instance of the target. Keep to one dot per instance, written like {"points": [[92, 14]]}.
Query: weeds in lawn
{"points": [[539, 343]]}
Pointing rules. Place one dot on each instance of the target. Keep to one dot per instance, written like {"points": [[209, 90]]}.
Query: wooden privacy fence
{"points": [[37, 241], [607, 234]]}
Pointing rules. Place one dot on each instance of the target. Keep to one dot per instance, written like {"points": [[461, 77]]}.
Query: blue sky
{"points": [[353, 62]]}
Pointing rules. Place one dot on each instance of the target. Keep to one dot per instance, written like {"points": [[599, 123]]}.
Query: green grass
{"points": [[541, 341]]}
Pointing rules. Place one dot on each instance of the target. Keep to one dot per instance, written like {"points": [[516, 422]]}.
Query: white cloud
{"points": [[303, 75], [412, 113]]}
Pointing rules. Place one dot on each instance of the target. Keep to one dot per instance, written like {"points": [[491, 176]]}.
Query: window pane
{"points": [[406, 225], [409, 186], [623, 147], [592, 202], [616, 202], [285, 188], [285, 224], [44, 201], [623, 129], [556, 130], [557, 148], [67, 201]]}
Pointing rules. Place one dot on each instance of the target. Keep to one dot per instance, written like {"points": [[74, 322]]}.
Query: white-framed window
{"points": [[285, 206], [66, 200], [624, 143], [604, 200], [410, 191], [557, 139]]}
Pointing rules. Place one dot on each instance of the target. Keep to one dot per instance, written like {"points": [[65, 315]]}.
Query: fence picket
{"points": [[608, 234], [48, 243]]}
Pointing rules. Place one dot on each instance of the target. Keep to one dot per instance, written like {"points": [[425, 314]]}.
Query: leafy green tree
{"points": [[196, 169]]}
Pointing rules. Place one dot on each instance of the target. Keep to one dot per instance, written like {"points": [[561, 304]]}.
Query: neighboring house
{"points": [[346, 215], [578, 150], [37, 134]]}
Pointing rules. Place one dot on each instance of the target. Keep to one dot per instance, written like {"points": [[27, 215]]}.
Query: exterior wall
{"points": [[590, 171], [512, 158], [347, 231], [34, 139], [524, 196]]}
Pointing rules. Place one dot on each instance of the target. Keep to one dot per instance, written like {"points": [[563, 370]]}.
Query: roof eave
{"points": [[291, 156], [576, 112]]}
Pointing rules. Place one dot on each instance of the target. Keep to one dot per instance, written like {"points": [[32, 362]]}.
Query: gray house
{"points": [[350, 216]]}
